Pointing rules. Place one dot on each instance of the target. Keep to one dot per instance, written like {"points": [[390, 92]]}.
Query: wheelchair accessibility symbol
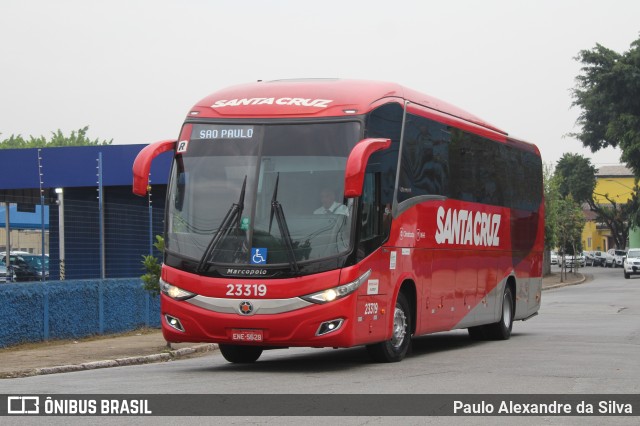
{"points": [[258, 256]]}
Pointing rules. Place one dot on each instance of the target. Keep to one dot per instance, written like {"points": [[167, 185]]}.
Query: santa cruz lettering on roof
{"points": [[316, 103]]}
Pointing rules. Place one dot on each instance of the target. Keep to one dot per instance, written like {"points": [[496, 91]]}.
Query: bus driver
{"points": [[329, 204]]}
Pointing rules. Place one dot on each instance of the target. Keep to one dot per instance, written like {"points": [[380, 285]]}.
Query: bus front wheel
{"points": [[397, 347], [240, 354]]}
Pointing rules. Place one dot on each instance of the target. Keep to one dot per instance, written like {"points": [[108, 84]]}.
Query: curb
{"points": [[120, 362], [580, 280]]}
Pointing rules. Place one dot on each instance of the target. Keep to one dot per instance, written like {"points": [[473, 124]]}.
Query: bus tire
{"points": [[395, 349], [501, 330], [240, 354]]}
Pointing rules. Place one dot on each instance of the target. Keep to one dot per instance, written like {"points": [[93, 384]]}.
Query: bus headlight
{"points": [[174, 292], [331, 294]]}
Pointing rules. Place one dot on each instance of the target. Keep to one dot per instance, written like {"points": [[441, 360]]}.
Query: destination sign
{"points": [[221, 131]]}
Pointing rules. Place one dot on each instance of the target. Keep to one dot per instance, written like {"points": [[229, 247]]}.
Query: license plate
{"points": [[246, 335]]}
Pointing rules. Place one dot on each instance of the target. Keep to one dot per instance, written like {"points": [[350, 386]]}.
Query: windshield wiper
{"points": [[276, 208], [233, 216]]}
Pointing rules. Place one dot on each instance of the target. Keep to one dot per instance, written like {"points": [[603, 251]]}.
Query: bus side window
{"points": [[371, 231], [369, 220], [180, 191]]}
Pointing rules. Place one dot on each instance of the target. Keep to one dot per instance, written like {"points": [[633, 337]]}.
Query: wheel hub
{"points": [[399, 328]]}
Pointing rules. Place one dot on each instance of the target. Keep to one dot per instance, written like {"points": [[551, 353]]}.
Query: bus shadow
{"points": [[334, 360], [442, 342], [449, 341], [311, 361]]}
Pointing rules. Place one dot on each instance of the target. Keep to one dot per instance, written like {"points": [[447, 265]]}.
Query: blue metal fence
{"points": [[33, 312]]}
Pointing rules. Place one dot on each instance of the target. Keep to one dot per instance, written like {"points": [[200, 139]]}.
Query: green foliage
{"points": [[571, 222], [564, 218], [551, 197], [608, 92], [151, 280], [76, 138], [576, 177]]}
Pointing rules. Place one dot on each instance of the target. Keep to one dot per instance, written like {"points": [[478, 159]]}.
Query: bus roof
{"points": [[317, 98]]}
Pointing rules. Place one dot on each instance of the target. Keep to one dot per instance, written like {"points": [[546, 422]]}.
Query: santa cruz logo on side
{"points": [[465, 227]]}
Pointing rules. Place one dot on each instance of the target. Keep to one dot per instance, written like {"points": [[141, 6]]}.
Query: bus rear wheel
{"points": [[500, 330], [397, 347], [240, 354]]}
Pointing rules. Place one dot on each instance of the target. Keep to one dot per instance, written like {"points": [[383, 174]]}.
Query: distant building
{"points": [[617, 183], [26, 229]]}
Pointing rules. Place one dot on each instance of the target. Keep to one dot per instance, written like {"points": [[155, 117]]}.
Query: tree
{"points": [[608, 92], [571, 222], [76, 138], [151, 264], [551, 197], [576, 178]]}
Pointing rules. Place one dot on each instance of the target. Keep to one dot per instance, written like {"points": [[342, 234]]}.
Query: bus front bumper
{"points": [[309, 324]]}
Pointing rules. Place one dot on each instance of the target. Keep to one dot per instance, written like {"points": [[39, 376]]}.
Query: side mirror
{"points": [[142, 164], [357, 163]]}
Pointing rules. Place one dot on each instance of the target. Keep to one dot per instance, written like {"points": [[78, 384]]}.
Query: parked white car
{"points": [[631, 263], [619, 256], [6, 274], [609, 260], [3, 273], [554, 258], [589, 258], [571, 260], [615, 257]]}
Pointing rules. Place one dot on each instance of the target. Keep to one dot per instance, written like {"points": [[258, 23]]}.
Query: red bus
{"points": [[337, 213]]}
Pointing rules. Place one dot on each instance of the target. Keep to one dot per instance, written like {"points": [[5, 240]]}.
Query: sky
{"points": [[131, 70]]}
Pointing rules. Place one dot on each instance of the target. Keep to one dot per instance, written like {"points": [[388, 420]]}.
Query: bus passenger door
{"points": [[373, 216], [371, 324]]}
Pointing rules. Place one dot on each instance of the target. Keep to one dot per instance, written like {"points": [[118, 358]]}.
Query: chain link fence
{"points": [[89, 239]]}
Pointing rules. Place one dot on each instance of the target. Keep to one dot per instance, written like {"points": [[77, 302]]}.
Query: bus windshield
{"points": [[261, 194]]}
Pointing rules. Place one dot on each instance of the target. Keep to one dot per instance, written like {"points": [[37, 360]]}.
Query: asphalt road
{"points": [[585, 340]]}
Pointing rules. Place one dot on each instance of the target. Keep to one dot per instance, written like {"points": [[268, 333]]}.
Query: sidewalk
{"points": [[137, 347], [553, 281]]}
